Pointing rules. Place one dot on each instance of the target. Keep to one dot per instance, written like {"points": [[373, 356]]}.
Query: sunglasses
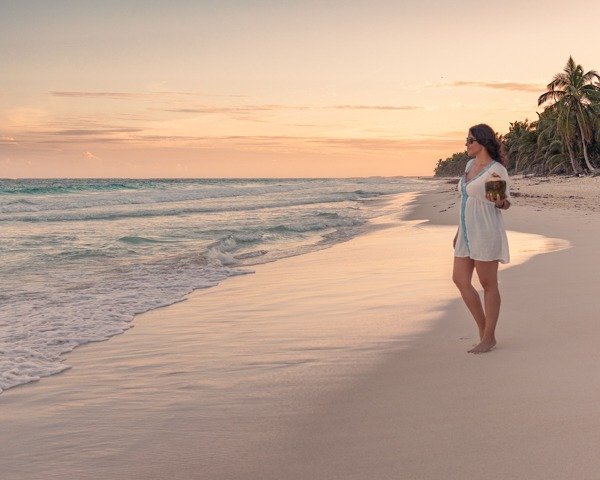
{"points": [[470, 140]]}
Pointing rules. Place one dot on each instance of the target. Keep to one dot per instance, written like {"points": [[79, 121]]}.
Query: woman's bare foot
{"points": [[483, 347]]}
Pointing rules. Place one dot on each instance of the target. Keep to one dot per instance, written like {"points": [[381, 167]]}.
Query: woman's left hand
{"points": [[502, 204]]}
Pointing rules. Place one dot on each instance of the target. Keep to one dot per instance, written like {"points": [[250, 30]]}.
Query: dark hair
{"points": [[485, 136]]}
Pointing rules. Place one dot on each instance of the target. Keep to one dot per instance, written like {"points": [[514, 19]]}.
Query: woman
{"points": [[480, 242]]}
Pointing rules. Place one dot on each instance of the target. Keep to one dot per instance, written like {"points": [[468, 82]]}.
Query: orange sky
{"points": [[270, 89]]}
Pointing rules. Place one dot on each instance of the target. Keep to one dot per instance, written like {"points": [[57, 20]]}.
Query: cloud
{"points": [[248, 110], [365, 144], [376, 107], [24, 116], [114, 95], [92, 132], [90, 156], [86, 136], [197, 94], [138, 95], [6, 141], [174, 138], [107, 134], [244, 109], [246, 113], [393, 144], [514, 86], [82, 140], [360, 143]]}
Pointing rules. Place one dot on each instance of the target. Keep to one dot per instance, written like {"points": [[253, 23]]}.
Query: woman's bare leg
{"points": [[462, 276], [488, 277]]}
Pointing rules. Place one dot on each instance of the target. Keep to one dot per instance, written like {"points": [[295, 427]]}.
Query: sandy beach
{"points": [[526, 410], [411, 405]]}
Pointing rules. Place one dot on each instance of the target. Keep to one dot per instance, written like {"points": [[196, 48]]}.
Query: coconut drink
{"points": [[495, 187]]}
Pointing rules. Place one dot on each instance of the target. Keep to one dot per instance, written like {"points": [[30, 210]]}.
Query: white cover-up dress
{"points": [[481, 232]]}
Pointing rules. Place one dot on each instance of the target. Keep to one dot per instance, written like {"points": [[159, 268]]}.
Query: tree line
{"points": [[565, 138]]}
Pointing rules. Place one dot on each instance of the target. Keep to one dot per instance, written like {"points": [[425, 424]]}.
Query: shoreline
{"points": [[389, 421], [375, 224]]}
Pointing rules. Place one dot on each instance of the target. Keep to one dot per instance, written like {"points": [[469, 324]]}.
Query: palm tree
{"points": [[551, 150], [576, 99], [521, 145]]}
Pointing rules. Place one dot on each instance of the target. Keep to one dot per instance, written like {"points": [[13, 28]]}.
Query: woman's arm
{"points": [[503, 204]]}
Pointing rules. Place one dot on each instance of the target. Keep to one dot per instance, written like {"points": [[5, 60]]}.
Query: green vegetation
{"points": [[453, 166], [564, 139]]}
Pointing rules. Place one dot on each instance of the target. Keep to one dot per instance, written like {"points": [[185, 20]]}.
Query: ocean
{"points": [[80, 258]]}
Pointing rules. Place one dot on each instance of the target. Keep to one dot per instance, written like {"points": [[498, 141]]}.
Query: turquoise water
{"points": [[82, 257]]}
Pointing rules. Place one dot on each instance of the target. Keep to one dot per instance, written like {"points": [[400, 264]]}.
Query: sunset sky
{"points": [[232, 88]]}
